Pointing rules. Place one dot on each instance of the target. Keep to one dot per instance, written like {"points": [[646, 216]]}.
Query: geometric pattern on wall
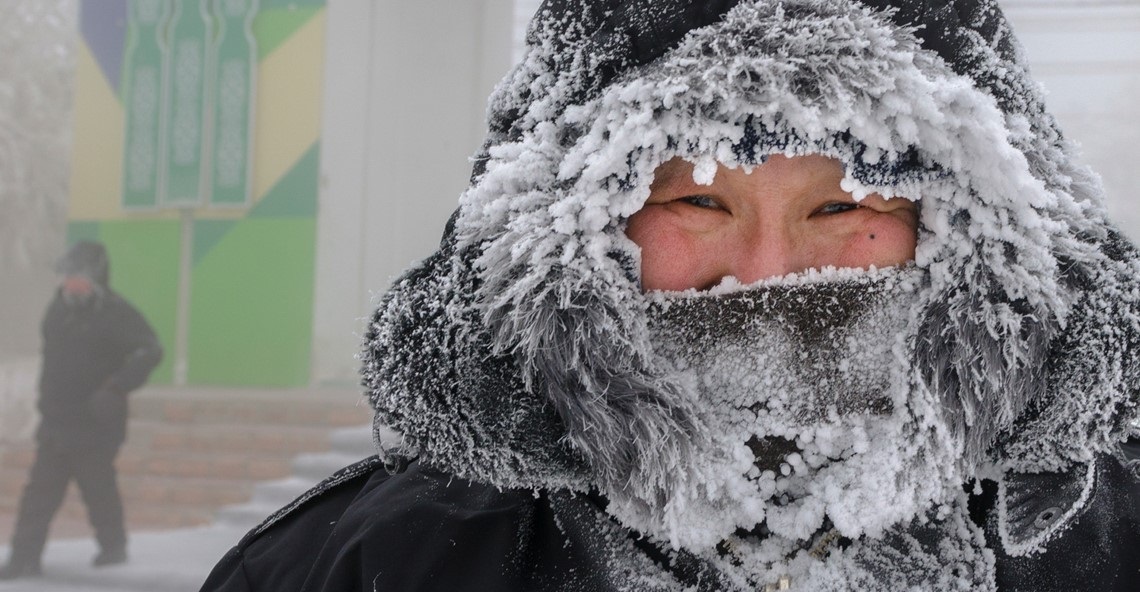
{"points": [[252, 280], [252, 268]]}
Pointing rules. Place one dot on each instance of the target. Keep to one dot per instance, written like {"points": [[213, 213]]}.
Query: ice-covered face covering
{"points": [[820, 430]]}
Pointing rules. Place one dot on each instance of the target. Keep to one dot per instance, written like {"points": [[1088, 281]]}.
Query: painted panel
{"points": [[102, 30], [274, 26], [257, 214], [187, 84], [288, 103], [146, 83], [295, 194], [250, 293], [234, 56], [97, 146]]}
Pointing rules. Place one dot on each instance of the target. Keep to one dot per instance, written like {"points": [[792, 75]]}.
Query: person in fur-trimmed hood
{"points": [[749, 295]]}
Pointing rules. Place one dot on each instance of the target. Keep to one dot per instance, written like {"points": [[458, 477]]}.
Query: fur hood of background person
{"points": [[521, 353]]}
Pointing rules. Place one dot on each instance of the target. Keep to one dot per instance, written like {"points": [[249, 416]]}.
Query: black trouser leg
{"points": [[47, 484], [95, 476]]}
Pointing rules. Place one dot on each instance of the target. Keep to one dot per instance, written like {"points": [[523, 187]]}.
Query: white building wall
{"points": [[1087, 56], [405, 97], [523, 10]]}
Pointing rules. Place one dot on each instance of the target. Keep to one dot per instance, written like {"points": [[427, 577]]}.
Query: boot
{"points": [[110, 557], [20, 569]]}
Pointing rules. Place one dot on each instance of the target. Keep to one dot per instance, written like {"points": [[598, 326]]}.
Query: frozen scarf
{"points": [[822, 438]]}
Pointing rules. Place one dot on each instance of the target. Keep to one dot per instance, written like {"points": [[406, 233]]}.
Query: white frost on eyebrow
{"points": [[860, 190], [704, 170]]}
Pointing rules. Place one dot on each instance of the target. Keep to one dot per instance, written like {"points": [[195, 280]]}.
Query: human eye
{"points": [[837, 207], [701, 201]]}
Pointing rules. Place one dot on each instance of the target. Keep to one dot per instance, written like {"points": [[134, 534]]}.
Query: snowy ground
{"points": [[171, 561], [180, 560]]}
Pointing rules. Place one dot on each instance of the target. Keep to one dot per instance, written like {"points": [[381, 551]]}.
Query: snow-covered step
{"points": [[353, 440], [280, 492], [347, 446], [245, 516], [315, 467], [269, 496], [358, 439]]}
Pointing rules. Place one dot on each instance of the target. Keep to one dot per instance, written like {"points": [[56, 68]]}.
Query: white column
{"points": [[342, 196], [1087, 56], [406, 85]]}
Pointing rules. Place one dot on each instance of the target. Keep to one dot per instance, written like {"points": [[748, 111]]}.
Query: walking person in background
{"points": [[97, 348], [749, 295]]}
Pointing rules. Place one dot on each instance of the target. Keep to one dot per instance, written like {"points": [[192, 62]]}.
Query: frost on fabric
{"points": [[814, 415], [944, 554], [1015, 516]]}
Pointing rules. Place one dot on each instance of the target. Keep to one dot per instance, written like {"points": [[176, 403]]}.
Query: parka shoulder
{"points": [[277, 552], [366, 529]]}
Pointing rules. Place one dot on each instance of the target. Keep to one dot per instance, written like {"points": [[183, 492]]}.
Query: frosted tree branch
{"points": [[37, 65]]}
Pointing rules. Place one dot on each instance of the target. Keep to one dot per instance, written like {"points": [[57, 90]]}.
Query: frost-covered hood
{"points": [[520, 353]]}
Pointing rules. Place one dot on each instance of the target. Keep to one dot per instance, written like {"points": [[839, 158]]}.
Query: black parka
{"points": [[94, 354], [368, 529]]}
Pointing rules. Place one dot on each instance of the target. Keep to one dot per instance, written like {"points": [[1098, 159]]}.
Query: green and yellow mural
{"points": [[196, 162]]}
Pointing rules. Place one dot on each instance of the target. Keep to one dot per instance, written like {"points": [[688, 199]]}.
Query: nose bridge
{"points": [[765, 250]]}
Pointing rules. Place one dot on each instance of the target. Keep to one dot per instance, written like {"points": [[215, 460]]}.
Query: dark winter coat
{"points": [[366, 528], [526, 366], [94, 354]]}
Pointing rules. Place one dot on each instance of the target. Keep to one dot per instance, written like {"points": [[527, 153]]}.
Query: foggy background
{"points": [[362, 116]]}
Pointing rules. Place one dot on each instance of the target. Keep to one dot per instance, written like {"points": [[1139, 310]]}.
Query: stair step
{"points": [[158, 436], [268, 497], [71, 519], [280, 492], [176, 491], [315, 407], [354, 440], [316, 467], [240, 467], [196, 456], [245, 515]]}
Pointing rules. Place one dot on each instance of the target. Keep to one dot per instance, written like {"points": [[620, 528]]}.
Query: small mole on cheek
{"points": [[872, 237]]}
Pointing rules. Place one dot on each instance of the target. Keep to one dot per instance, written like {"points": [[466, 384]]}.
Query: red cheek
{"points": [[881, 243], [667, 262], [671, 257]]}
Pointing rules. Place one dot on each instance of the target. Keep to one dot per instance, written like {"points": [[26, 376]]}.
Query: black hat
{"points": [[86, 258]]}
